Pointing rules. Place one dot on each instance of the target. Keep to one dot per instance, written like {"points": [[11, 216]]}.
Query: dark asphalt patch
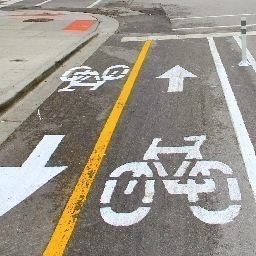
{"points": [[38, 20]]}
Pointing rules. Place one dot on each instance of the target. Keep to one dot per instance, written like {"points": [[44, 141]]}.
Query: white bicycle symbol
{"points": [[84, 76], [191, 188]]}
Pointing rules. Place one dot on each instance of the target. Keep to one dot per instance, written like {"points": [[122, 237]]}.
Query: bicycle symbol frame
{"points": [[191, 188], [79, 76]]}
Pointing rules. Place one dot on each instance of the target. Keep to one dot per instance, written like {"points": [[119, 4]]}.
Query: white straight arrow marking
{"points": [[176, 77], [17, 183]]}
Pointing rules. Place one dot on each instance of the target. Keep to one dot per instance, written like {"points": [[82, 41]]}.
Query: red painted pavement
{"points": [[81, 25]]}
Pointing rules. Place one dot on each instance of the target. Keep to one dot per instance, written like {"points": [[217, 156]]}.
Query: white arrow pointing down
{"points": [[176, 77], [17, 183]]}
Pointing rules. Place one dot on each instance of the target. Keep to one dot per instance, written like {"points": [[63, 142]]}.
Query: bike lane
{"points": [[181, 146], [151, 112]]}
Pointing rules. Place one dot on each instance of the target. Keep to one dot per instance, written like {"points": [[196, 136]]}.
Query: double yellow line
{"points": [[68, 219]]}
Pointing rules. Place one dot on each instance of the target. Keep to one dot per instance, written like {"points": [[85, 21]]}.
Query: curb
{"points": [[32, 84], [24, 106]]}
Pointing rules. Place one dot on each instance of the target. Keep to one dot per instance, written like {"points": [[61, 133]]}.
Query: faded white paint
{"points": [[174, 186], [149, 192], [216, 217], [234, 190], [213, 16], [4, 3], [123, 219], [90, 6], [95, 3], [204, 168], [45, 2], [17, 183], [137, 169], [84, 76], [130, 187], [108, 191], [39, 114], [182, 169], [160, 169], [126, 219], [191, 189], [211, 27], [181, 37]]}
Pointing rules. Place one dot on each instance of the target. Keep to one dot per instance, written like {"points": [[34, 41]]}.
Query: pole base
{"points": [[244, 63]]}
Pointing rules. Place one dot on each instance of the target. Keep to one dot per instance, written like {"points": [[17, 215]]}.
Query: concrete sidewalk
{"points": [[34, 44]]}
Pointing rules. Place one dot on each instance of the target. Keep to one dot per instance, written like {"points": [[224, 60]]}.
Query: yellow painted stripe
{"points": [[67, 221]]}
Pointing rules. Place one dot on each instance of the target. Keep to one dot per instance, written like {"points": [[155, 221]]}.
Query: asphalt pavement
{"points": [[141, 143]]}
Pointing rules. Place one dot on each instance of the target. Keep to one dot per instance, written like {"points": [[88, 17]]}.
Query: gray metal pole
{"points": [[244, 61]]}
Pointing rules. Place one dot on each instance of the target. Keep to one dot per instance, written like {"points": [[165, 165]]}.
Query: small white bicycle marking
{"points": [[84, 76], [173, 186]]}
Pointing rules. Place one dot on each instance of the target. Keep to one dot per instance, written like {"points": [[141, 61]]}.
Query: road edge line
{"points": [[69, 217], [242, 135]]}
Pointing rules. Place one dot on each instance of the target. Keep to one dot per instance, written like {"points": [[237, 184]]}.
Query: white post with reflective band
{"points": [[244, 61]]}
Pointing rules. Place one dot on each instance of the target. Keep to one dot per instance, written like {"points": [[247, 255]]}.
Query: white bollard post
{"points": [[244, 62]]}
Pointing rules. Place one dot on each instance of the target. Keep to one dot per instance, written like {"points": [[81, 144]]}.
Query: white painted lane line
{"points": [[205, 17], [245, 144], [5, 3], [92, 5], [43, 2], [176, 37], [249, 55], [231, 26]]}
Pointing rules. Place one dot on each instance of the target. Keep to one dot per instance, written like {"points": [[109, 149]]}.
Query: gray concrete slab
{"points": [[31, 48]]}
